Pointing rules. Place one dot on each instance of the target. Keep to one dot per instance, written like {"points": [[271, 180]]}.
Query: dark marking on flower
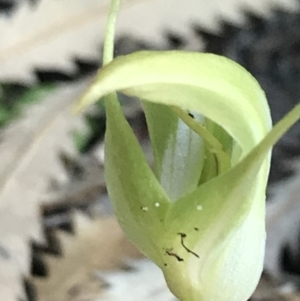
{"points": [[171, 253], [196, 229], [183, 236], [217, 163], [165, 265], [191, 115]]}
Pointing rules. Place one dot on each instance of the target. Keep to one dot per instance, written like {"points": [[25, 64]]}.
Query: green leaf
{"points": [[129, 177], [34, 94], [79, 139], [5, 115], [12, 103]]}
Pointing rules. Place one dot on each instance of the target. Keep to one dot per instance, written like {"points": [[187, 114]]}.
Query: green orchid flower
{"points": [[200, 214]]}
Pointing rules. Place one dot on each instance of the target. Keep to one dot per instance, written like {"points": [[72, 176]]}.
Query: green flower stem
{"points": [[108, 48], [211, 143]]}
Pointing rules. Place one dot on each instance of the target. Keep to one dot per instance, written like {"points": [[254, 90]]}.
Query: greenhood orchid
{"points": [[200, 214]]}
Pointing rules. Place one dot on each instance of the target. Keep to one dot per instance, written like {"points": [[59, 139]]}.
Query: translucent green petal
{"points": [[140, 210], [178, 150], [208, 84]]}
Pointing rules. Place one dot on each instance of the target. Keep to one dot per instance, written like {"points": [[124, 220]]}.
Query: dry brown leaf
{"points": [[97, 245], [54, 32]]}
